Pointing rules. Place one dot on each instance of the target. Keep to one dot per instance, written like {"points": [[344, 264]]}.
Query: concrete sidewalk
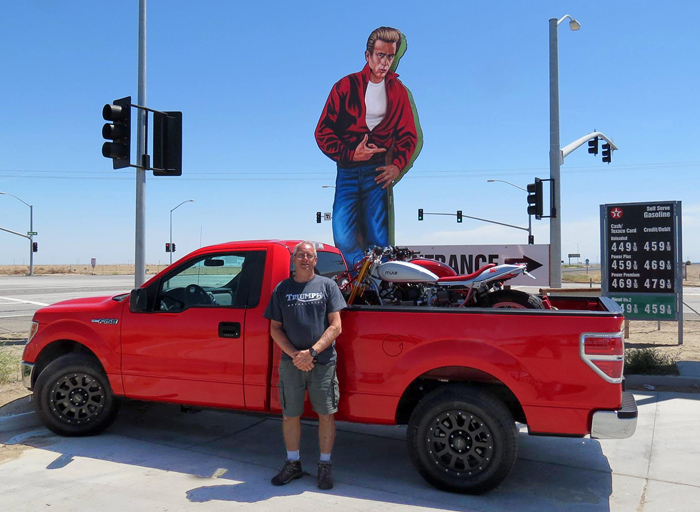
{"points": [[156, 458]]}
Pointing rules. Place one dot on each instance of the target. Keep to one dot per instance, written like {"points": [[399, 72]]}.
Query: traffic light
{"points": [[420, 213], [593, 146], [535, 199], [318, 217], [167, 144], [607, 153], [167, 247], [119, 131], [173, 247], [35, 246], [459, 215]]}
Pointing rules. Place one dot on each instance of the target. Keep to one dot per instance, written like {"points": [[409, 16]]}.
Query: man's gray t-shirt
{"points": [[303, 309]]}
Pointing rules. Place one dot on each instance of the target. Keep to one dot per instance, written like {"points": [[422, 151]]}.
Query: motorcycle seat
{"points": [[467, 277]]}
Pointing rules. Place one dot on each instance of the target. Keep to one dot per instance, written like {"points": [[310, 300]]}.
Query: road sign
{"points": [[641, 258], [574, 255], [32, 233], [327, 216], [466, 259]]}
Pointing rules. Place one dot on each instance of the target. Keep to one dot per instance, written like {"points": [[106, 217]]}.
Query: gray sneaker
{"points": [[290, 471], [325, 476]]}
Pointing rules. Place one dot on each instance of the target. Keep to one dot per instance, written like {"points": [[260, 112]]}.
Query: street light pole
{"points": [[555, 150], [529, 217], [31, 230], [171, 227]]}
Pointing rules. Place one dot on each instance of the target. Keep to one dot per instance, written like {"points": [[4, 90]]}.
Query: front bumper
{"points": [[619, 424], [27, 374]]}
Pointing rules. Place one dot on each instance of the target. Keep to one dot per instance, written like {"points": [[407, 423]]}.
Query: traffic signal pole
{"points": [[140, 241]]}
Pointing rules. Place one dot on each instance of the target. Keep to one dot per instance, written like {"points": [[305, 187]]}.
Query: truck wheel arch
{"points": [[430, 365], [56, 349], [444, 376]]}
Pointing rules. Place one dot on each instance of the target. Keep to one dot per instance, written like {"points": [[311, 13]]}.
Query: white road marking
{"points": [[24, 301]]}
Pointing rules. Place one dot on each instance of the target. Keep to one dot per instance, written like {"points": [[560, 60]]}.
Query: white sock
{"points": [[325, 457], [293, 455]]}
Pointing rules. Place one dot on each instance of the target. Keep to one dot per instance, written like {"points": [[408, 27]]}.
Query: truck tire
{"points": [[73, 396], [511, 299], [462, 439]]}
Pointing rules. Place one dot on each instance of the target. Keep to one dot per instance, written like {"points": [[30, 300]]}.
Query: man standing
{"points": [[369, 126], [304, 313]]}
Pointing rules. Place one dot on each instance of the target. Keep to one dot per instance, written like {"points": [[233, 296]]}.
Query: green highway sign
{"points": [[647, 307], [32, 233]]}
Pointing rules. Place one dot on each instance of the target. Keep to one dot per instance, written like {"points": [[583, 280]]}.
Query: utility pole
{"points": [[140, 242]]}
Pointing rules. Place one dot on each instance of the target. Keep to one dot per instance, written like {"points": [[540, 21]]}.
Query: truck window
{"points": [[210, 281], [330, 264]]}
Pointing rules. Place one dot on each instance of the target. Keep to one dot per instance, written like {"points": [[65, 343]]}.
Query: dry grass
{"points": [[22, 270]]}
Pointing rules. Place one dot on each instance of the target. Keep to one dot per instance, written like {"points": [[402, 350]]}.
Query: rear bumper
{"points": [[27, 374], [619, 424]]}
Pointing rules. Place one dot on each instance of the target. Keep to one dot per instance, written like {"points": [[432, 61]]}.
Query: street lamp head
{"points": [[573, 24]]}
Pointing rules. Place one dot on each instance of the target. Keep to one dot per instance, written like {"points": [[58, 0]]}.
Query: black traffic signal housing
{"points": [[459, 215], [607, 153], [535, 199], [35, 246], [167, 144], [420, 213], [167, 247], [118, 131], [318, 217], [172, 248], [593, 146]]}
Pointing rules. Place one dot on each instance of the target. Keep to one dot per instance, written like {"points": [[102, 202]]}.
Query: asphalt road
{"points": [[21, 296]]}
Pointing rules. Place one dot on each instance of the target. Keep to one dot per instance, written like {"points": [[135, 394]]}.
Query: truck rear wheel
{"points": [[462, 439], [511, 299], [73, 397]]}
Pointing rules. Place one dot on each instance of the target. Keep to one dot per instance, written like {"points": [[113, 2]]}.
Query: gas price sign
{"points": [[641, 260]]}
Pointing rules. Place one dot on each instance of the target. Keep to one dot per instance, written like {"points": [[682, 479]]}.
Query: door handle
{"points": [[229, 330]]}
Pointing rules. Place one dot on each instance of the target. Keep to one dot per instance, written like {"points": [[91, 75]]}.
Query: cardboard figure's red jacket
{"points": [[342, 124]]}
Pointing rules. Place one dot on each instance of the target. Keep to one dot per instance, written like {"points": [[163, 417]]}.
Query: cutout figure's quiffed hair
{"points": [[386, 34]]}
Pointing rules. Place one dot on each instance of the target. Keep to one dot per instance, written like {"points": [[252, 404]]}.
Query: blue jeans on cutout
{"points": [[360, 212]]}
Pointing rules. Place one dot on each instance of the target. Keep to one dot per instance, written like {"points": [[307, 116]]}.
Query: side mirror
{"points": [[138, 301]]}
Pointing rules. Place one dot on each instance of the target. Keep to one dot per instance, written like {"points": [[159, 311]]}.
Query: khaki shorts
{"points": [[321, 382]]}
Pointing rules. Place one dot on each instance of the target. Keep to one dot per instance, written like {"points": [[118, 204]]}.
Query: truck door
{"points": [[188, 346]]}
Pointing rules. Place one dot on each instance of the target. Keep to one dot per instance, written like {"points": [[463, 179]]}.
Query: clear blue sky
{"points": [[251, 79]]}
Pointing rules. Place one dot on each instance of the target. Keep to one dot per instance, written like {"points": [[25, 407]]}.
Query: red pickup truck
{"points": [[460, 378]]}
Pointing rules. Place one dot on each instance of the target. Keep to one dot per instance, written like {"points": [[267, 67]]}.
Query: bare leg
{"points": [[326, 432], [291, 428]]}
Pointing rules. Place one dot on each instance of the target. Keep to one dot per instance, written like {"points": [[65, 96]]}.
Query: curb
{"points": [[22, 415], [19, 421], [662, 380]]}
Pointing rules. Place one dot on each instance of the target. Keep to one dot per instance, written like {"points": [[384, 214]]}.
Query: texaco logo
{"points": [[616, 213]]}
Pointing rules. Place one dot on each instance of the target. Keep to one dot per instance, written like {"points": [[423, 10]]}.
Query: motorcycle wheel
{"points": [[511, 299]]}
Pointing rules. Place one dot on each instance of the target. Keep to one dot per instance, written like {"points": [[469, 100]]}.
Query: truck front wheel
{"points": [[462, 439], [73, 396]]}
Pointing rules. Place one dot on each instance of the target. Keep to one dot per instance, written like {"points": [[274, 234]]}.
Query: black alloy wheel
{"points": [[462, 438], [73, 397]]}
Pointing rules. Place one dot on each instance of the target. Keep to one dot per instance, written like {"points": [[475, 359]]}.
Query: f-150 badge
{"points": [[105, 321]]}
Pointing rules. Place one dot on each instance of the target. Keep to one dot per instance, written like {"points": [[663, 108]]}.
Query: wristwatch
{"points": [[313, 353]]}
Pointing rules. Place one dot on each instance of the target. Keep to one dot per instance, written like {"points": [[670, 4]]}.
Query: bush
{"points": [[649, 361]]}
